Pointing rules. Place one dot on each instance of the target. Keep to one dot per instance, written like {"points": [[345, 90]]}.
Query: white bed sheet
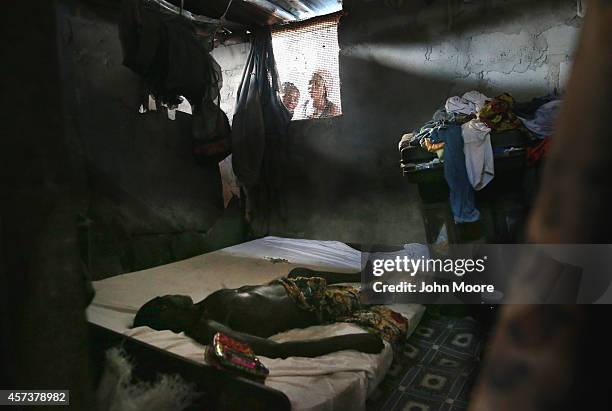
{"points": [[340, 380]]}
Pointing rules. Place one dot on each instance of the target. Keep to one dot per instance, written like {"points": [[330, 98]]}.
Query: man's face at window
{"points": [[291, 99]]}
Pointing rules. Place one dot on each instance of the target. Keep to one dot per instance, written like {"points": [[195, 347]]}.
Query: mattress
{"points": [[340, 380]]}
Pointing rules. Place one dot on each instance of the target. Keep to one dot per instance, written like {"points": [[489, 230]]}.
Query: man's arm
{"points": [[330, 278], [204, 331], [363, 342]]}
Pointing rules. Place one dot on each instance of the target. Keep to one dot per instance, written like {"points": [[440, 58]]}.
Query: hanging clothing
{"points": [[259, 134], [174, 61], [212, 135], [260, 119], [462, 200], [478, 153], [168, 54]]}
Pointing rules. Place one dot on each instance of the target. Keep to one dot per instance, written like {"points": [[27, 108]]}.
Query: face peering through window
{"points": [[306, 56]]}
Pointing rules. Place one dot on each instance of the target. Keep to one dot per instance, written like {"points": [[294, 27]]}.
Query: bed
{"points": [[340, 380]]}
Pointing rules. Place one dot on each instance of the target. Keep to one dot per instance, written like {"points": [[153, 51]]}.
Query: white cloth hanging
{"points": [[478, 153]]}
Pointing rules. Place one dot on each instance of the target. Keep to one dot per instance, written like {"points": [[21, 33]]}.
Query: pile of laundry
{"points": [[460, 135], [539, 117]]}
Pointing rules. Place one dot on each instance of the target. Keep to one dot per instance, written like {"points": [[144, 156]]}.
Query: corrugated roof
{"points": [[261, 12]]}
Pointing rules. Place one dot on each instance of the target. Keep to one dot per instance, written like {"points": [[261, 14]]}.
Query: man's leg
{"points": [[367, 343]]}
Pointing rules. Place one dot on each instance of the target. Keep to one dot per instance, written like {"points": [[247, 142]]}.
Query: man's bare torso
{"points": [[261, 310]]}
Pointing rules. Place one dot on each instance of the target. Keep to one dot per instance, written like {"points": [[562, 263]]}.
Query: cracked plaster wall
{"points": [[232, 60], [521, 47]]}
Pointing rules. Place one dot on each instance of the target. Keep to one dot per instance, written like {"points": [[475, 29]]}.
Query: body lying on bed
{"points": [[252, 313]]}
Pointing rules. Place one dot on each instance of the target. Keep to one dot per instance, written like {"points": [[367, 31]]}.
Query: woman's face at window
{"points": [[316, 88]]}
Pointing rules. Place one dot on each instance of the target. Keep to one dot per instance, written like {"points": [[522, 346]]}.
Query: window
{"points": [[307, 61]]}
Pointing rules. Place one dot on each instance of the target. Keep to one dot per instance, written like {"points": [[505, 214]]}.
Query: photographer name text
{"points": [[434, 287]]}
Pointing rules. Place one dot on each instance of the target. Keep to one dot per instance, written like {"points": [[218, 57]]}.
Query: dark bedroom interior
{"points": [[307, 205]]}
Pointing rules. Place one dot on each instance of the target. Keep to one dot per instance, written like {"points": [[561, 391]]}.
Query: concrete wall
{"points": [[493, 45], [399, 61], [232, 60], [150, 202]]}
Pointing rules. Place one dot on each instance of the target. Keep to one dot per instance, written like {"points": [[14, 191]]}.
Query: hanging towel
{"points": [[478, 153]]}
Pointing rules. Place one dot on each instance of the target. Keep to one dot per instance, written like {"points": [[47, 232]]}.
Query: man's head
{"points": [[170, 312], [290, 95]]}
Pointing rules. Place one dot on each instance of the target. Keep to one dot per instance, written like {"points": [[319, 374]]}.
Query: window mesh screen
{"points": [[307, 62]]}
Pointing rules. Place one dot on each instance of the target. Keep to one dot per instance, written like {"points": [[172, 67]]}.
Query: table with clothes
{"points": [[473, 140]]}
